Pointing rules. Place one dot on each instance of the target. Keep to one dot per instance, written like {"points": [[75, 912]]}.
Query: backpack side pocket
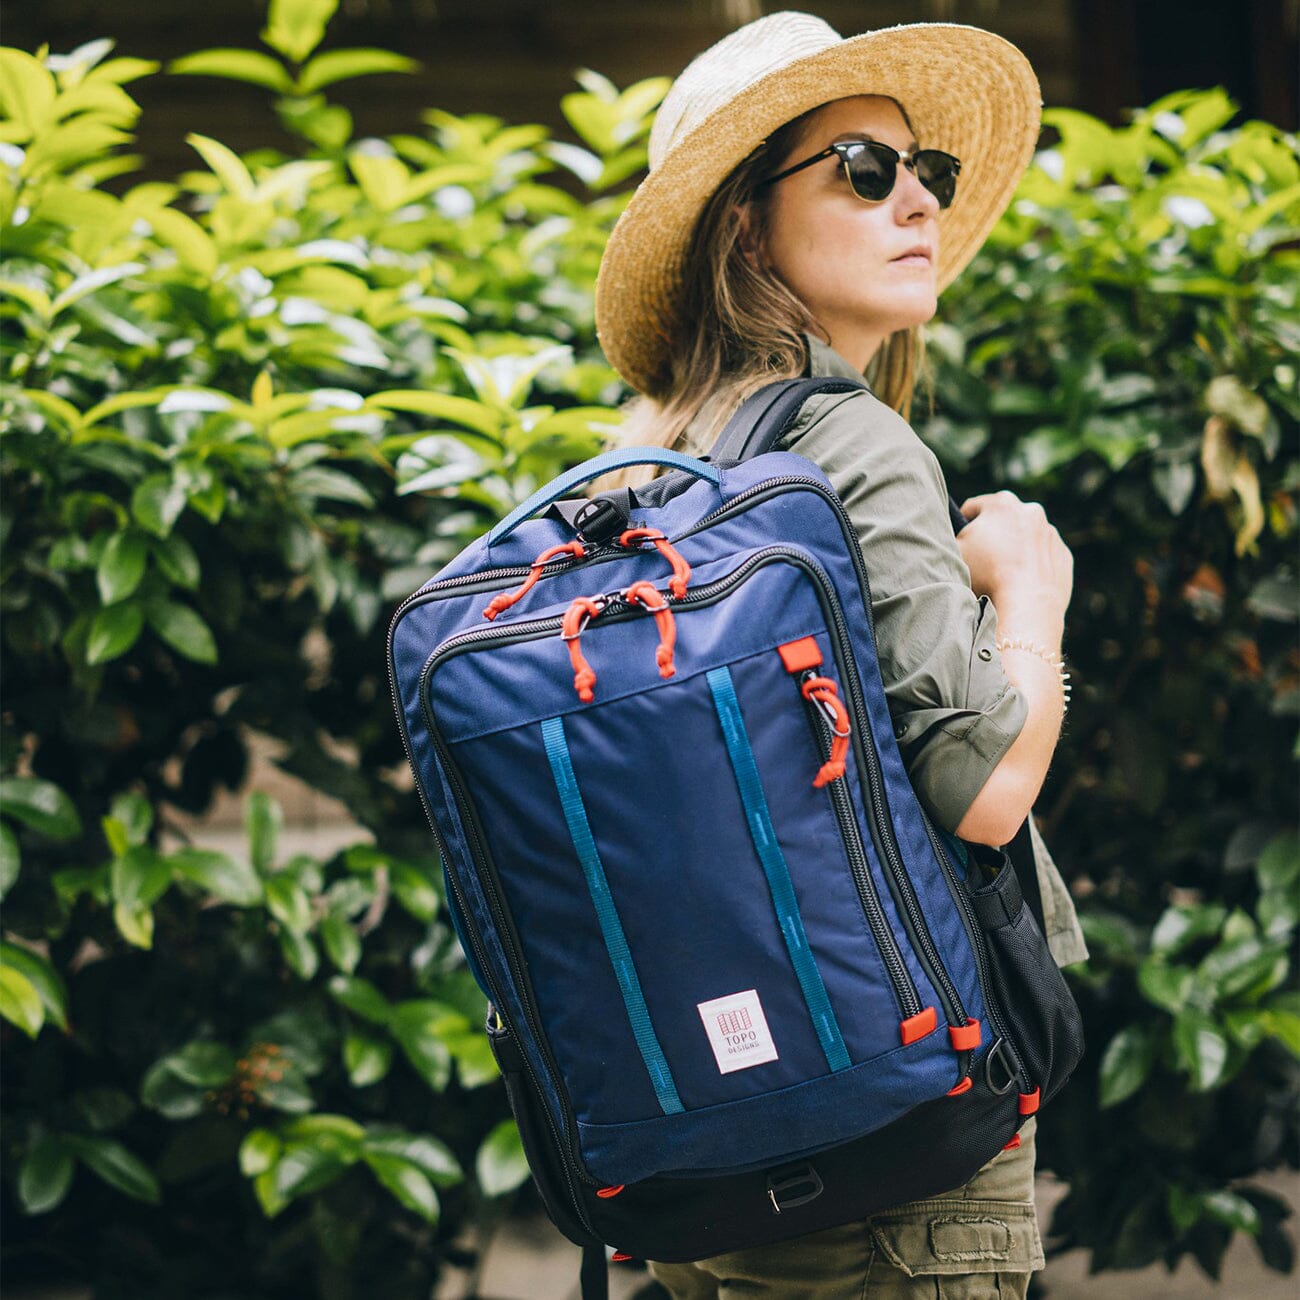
{"points": [[1033, 992]]}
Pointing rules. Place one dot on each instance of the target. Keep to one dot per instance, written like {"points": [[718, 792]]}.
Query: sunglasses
{"points": [[872, 169]]}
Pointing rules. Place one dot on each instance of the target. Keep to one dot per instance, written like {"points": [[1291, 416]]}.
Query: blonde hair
{"points": [[746, 327]]}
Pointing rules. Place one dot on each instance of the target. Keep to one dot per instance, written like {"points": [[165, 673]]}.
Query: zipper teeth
{"points": [[983, 967], [908, 999], [897, 870]]}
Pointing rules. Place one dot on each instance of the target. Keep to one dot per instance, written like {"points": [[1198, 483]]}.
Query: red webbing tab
{"points": [[619, 1257], [964, 1086], [965, 1038], [606, 1192], [801, 654], [1013, 1144], [1029, 1102], [918, 1026]]}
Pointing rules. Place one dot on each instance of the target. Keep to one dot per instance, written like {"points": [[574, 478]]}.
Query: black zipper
{"points": [[909, 1002], [869, 760]]}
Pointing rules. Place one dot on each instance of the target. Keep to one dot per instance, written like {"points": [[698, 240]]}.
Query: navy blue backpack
{"points": [[742, 988]]}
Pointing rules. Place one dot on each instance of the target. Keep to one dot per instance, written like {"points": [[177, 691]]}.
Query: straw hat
{"points": [[965, 91]]}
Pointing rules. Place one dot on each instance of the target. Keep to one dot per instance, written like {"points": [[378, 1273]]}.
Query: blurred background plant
{"points": [[244, 413]]}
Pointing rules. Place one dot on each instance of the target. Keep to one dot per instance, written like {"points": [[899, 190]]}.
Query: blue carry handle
{"points": [[607, 461]]}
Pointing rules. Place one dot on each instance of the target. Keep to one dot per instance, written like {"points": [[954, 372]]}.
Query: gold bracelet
{"points": [[1019, 643]]}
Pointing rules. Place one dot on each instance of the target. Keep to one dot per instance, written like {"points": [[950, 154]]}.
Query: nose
{"points": [[912, 197]]}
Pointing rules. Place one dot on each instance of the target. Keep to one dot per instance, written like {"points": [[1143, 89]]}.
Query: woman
{"points": [[808, 198]]}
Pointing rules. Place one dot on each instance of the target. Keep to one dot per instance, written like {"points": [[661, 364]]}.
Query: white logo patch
{"points": [[738, 1032]]}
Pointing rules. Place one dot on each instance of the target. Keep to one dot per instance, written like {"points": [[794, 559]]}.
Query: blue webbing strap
{"points": [[774, 867], [611, 928]]}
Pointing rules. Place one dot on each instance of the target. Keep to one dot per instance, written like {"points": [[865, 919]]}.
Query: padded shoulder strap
{"points": [[762, 419]]}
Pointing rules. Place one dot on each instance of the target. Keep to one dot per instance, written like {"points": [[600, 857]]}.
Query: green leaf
{"points": [[1181, 926], [1164, 986], [163, 1090], [341, 940], [184, 630], [45, 1175], [478, 416], [414, 891], [203, 1063], [341, 65], [237, 65], [132, 812], [224, 877], [417, 1026], [288, 902], [140, 877], [407, 1183], [262, 821], [300, 953], [1201, 1048], [1279, 864], [259, 1150], [121, 567], [116, 1166], [501, 1165], [113, 631], [303, 1169], [316, 481], [40, 805], [10, 859], [1126, 1064], [419, 1149], [176, 558], [20, 1004], [156, 504], [295, 27], [101, 1109], [135, 925], [229, 169], [366, 1057], [42, 977], [361, 997], [1229, 1208], [27, 90]]}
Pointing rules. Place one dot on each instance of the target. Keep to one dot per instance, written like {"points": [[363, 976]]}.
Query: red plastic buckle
{"points": [[503, 600], [917, 1026], [965, 1038], [1013, 1144], [642, 593], [1029, 1102], [681, 570], [576, 617], [824, 692], [606, 1192]]}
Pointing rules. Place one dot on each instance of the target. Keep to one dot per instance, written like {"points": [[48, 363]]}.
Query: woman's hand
{"points": [[1017, 558]]}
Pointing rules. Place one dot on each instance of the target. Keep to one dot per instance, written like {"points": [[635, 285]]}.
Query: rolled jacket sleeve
{"points": [[955, 713]]}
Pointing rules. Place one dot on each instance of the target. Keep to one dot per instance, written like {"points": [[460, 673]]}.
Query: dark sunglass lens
{"points": [[937, 171], [871, 171]]}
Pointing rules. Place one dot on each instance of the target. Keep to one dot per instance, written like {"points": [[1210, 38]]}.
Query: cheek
{"points": [[826, 252]]}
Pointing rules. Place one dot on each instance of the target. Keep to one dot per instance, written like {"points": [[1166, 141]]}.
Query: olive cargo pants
{"points": [[978, 1242]]}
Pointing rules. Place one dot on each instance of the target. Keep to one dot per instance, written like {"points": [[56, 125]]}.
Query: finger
{"points": [[973, 505]]}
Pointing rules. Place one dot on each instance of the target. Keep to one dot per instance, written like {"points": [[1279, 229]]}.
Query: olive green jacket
{"points": [[955, 712]]}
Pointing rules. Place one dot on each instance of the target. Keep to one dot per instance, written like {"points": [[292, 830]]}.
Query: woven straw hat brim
{"points": [[966, 91]]}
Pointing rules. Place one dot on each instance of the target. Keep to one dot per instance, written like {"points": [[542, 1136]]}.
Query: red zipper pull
{"points": [[642, 593], [823, 692], [502, 602], [576, 618], [681, 570]]}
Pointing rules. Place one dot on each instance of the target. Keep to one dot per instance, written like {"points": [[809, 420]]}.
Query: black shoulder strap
{"points": [[757, 426], [593, 1277], [761, 420]]}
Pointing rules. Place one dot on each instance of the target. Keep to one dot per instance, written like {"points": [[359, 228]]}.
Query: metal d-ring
{"points": [[998, 1052]]}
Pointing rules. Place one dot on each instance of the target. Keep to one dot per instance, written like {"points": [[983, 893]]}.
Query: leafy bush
{"points": [[1124, 350], [246, 412]]}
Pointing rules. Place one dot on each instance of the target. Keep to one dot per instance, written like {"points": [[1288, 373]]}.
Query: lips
{"points": [[919, 250]]}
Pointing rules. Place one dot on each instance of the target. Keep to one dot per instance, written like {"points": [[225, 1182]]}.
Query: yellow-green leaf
{"points": [[236, 65], [20, 1003], [227, 165]]}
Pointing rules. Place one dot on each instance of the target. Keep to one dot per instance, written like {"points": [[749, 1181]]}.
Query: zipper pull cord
{"points": [[576, 618], [503, 600], [681, 570], [641, 593], [823, 692]]}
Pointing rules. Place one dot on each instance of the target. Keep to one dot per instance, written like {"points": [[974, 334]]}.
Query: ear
{"points": [[746, 239]]}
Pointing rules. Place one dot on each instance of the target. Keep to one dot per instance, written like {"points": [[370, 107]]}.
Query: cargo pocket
{"points": [[1045, 1023]]}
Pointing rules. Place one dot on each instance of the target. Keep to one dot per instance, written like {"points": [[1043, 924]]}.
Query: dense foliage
{"points": [[244, 413]]}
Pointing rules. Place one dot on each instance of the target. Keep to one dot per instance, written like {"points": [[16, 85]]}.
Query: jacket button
{"points": [[900, 730], [985, 653]]}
